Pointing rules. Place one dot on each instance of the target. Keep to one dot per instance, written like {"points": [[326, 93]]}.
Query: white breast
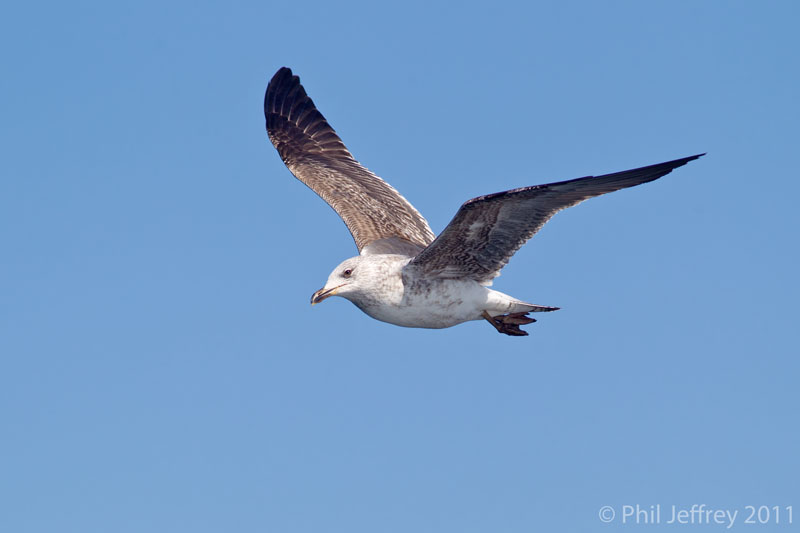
{"points": [[431, 304]]}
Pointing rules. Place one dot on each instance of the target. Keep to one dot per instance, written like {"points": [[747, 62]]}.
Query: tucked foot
{"points": [[509, 324]]}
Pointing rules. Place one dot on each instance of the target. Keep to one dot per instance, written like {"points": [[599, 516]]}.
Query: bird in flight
{"points": [[404, 274]]}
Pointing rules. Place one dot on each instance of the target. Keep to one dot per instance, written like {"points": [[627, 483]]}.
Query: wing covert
{"points": [[488, 230], [371, 208]]}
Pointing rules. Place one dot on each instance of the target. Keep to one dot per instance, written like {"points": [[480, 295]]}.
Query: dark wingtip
{"points": [[669, 166], [283, 72], [283, 77], [675, 163]]}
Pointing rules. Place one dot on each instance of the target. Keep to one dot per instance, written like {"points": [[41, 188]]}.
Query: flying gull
{"points": [[403, 274]]}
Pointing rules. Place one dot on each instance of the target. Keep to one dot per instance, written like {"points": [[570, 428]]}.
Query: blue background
{"points": [[162, 370]]}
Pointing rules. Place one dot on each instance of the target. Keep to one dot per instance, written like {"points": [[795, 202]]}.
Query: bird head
{"points": [[342, 281]]}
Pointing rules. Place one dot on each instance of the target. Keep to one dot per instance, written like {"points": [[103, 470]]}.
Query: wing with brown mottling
{"points": [[488, 230], [371, 208]]}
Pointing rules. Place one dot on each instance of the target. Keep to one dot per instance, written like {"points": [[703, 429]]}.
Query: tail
{"points": [[518, 316], [524, 307], [498, 303]]}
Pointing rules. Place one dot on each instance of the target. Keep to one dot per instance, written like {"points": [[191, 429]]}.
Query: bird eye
{"points": [[348, 272]]}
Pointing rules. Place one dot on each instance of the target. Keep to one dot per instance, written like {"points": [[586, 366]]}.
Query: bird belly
{"points": [[432, 304]]}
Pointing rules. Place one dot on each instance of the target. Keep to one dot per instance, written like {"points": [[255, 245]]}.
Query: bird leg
{"points": [[509, 324]]}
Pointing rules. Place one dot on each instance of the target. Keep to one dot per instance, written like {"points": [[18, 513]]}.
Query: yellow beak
{"points": [[321, 294]]}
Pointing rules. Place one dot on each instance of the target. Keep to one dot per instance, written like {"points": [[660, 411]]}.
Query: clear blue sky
{"points": [[161, 369]]}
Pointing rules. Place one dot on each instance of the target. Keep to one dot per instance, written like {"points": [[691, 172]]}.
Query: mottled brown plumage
{"points": [[371, 208], [402, 275], [488, 230]]}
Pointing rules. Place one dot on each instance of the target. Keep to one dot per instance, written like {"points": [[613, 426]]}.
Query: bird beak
{"points": [[321, 294]]}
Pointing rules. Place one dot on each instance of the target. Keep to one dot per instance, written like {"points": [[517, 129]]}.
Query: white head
{"points": [[343, 281], [362, 278]]}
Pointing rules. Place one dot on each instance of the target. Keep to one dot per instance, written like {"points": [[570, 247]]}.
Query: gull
{"points": [[405, 275]]}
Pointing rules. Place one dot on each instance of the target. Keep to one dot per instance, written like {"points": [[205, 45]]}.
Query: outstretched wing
{"points": [[371, 208], [487, 230]]}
